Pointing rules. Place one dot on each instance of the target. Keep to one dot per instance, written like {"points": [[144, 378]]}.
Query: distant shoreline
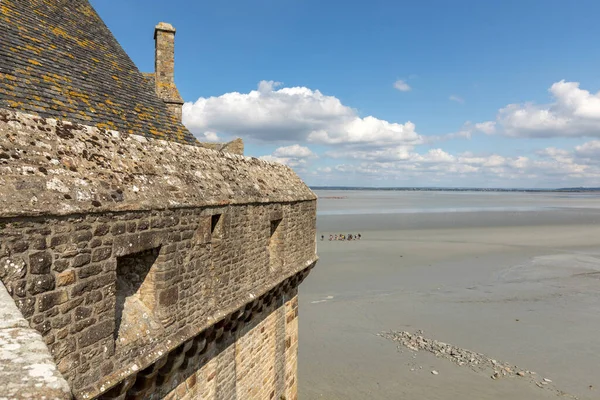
{"points": [[441, 189]]}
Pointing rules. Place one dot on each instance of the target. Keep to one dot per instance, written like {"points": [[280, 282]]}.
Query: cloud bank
{"points": [[367, 150], [575, 112], [296, 114]]}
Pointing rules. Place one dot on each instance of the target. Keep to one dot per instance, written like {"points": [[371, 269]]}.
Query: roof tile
{"points": [[58, 59]]}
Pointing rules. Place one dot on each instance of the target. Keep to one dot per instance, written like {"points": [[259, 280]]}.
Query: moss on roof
{"points": [[58, 59]]}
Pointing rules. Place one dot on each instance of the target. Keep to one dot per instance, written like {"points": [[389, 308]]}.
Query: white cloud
{"points": [[294, 155], [295, 151], [396, 153], [281, 160], [209, 136], [368, 131], [487, 127], [292, 114], [456, 99], [465, 132], [552, 167], [574, 113], [402, 86], [589, 149]]}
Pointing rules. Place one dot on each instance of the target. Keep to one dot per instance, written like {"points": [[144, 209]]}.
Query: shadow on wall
{"points": [[135, 296], [228, 360]]}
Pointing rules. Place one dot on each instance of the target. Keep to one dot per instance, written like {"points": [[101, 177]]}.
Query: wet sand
{"points": [[519, 286]]}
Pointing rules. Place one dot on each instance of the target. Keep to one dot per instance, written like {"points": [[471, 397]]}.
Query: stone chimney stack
{"points": [[164, 68]]}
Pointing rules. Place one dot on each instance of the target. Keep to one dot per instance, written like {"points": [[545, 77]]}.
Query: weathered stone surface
{"points": [[185, 176], [27, 370], [101, 254], [81, 260], [40, 263], [51, 299], [40, 283], [95, 333], [12, 268], [65, 278]]}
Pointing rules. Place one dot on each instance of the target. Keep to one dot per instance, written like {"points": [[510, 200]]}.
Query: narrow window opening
{"points": [[216, 226], [276, 245], [135, 295]]}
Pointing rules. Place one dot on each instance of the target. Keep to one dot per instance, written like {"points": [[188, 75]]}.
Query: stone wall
{"points": [[27, 370], [58, 168], [66, 280], [258, 362], [235, 146], [145, 264]]}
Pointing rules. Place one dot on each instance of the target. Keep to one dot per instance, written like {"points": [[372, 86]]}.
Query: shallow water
{"points": [[353, 202], [512, 275]]}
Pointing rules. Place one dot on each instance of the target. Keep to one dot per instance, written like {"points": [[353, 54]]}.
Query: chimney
{"points": [[164, 68]]}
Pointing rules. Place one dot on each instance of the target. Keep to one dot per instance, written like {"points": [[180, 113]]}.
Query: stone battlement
{"points": [[50, 166], [117, 278]]}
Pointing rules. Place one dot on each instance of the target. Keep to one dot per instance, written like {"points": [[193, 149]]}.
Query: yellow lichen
{"points": [[32, 48], [59, 32]]}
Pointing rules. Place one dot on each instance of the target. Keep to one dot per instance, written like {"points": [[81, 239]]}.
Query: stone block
{"points": [[38, 243], [40, 283], [60, 321], [49, 300], [81, 260], [101, 253], [26, 306], [40, 263], [19, 246], [65, 278], [96, 333], [168, 297], [11, 268], [63, 347], [59, 240], [82, 313], [81, 325], [119, 228], [19, 288], [89, 270], [101, 230], [84, 236], [69, 363], [61, 265], [68, 306]]}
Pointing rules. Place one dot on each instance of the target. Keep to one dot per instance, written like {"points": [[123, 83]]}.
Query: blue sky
{"points": [[387, 93]]}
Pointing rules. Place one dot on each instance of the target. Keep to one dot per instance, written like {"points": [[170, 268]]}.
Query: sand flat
{"points": [[519, 286]]}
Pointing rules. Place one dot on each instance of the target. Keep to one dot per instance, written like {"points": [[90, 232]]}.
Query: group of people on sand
{"points": [[341, 236]]}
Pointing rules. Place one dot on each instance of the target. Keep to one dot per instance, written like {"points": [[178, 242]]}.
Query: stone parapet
{"points": [[58, 168], [27, 370], [235, 146]]}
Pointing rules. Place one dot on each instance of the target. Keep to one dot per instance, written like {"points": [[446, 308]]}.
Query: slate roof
{"points": [[58, 59]]}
